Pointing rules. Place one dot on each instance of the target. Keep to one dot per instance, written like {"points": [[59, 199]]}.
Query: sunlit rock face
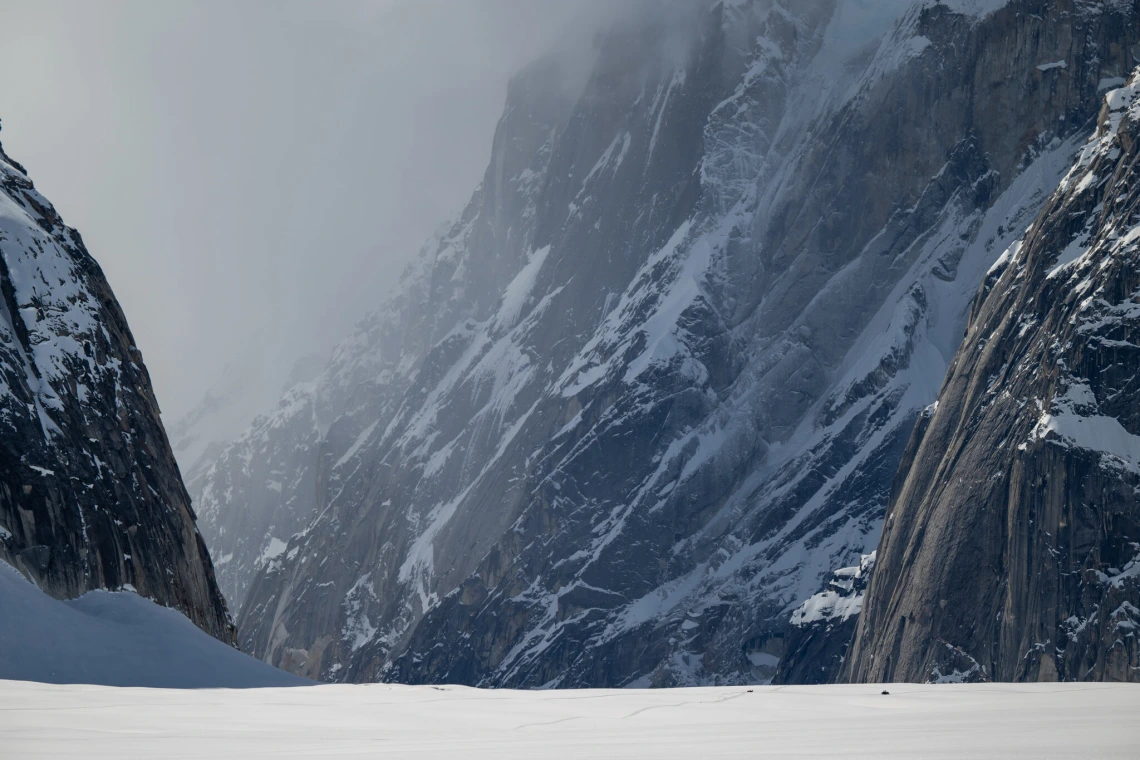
{"points": [[632, 408], [90, 495], [1012, 546]]}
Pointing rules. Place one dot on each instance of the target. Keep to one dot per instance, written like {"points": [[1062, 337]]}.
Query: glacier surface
{"points": [[987, 721]]}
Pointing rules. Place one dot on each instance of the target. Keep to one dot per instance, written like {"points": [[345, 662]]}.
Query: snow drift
{"points": [[115, 639]]}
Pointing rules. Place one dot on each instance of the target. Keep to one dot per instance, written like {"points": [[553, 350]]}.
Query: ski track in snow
{"points": [[1037, 721]]}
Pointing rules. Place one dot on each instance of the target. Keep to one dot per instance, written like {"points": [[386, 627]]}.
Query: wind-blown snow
{"points": [[980, 721], [114, 639]]}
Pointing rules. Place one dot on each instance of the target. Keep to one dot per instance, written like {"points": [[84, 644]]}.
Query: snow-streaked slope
{"points": [[114, 639], [634, 407], [982, 722]]}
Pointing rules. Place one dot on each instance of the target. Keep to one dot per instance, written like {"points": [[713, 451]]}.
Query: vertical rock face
{"points": [[1011, 549], [90, 495], [630, 411]]}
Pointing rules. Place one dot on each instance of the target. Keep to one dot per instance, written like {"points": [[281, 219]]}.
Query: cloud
{"points": [[252, 176]]}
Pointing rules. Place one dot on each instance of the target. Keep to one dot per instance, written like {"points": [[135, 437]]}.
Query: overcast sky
{"points": [[252, 175]]}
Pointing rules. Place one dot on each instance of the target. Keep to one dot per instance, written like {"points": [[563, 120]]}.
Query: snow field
{"points": [[379, 720], [116, 639]]}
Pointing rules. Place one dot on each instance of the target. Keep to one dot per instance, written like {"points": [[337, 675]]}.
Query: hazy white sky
{"points": [[252, 175]]}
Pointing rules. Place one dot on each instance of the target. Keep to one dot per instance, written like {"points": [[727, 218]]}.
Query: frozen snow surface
{"points": [[116, 639], [975, 721]]}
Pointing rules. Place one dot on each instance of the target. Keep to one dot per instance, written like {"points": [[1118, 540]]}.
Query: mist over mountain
{"points": [[253, 176], [637, 402]]}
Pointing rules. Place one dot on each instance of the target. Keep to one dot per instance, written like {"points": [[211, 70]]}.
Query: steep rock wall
{"points": [[90, 495], [1011, 550]]}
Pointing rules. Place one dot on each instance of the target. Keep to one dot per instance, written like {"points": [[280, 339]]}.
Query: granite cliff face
{"points": [[90, 495], [634, 406], [1012, 547]]}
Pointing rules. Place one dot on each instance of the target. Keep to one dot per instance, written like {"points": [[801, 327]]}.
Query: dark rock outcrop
{"points": [[90, 495], [1011, 550]]}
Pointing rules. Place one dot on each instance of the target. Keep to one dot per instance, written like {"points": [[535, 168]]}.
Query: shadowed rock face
{"points": [[633, 408], [1011, 550], [90, 495]]}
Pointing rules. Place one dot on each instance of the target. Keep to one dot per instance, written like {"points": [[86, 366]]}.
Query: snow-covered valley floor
{"points": [[976, 721]]}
